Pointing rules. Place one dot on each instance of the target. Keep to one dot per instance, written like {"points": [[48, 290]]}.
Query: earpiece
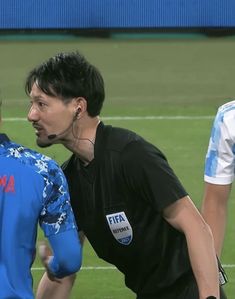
{"points": [[76, 114]]}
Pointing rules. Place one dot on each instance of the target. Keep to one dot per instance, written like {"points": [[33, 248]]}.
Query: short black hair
{"points": [[69, 75]]}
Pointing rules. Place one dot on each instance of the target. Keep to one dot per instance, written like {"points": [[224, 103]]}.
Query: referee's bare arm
{"points": [[184, 216]]}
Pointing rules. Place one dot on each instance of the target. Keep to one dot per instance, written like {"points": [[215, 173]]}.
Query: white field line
{"points": [[149, 117], [112, 267]]}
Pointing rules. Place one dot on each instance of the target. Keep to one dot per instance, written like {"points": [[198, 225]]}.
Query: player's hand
{"points": [[45, 255]]}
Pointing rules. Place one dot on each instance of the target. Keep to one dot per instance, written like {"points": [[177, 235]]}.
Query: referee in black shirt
{"points": [[126, 198]]}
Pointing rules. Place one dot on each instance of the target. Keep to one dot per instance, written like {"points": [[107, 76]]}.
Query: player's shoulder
{"points": [[31, 158], [227, 108], [225, 114]]}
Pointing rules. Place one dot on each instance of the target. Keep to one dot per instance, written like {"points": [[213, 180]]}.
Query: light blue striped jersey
{"points": [[220, 158]]}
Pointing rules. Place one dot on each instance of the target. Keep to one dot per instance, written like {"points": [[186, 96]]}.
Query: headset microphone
{"points": [[53, 136]]}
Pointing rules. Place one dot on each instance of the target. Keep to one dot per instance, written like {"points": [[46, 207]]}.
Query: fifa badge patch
{"points": [[120, 227]]}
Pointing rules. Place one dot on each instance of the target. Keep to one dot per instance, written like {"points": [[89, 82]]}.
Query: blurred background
{"points": [[167, 64]]}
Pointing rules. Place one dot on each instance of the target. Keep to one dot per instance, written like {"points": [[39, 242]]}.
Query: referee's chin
{"points": [[43, 143]]}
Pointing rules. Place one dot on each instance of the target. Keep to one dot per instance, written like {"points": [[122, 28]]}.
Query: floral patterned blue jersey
{"points": [[33, 190]]}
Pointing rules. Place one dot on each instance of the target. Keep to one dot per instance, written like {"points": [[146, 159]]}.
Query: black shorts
{"points": [[184, 288]]}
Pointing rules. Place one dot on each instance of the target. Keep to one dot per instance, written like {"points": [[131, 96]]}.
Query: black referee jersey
{"points": [[118, 201]]}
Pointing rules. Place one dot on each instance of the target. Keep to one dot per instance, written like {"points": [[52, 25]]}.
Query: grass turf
{"points": [[143, 78]]}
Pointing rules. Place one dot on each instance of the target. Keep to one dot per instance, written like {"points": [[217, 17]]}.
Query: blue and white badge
{"points": [[120, 227]]}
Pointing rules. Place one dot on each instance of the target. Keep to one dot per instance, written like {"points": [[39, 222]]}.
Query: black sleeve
{"points": [[148, 173]]}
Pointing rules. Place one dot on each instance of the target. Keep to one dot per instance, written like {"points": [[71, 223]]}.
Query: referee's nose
{"points": [[33, 114]]}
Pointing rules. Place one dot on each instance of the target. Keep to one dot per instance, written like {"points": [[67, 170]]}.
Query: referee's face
{"points": [[50, 116]]}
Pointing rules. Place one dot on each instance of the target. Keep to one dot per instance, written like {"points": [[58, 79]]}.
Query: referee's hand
{"points": [[45, 255]]}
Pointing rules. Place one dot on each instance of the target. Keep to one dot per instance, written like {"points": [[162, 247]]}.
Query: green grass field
{"points": [[166, 79]]}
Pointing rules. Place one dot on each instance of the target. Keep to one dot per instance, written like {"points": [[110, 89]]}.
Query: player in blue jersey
{"points": [[126, 198], [219, 172], [33, 190]]}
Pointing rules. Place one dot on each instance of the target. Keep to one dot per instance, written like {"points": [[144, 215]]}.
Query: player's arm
{"points": [[184, 216], [66, 260], [50, 286], [214, 211], [59, 288], [58, 223], [219, 175]]}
